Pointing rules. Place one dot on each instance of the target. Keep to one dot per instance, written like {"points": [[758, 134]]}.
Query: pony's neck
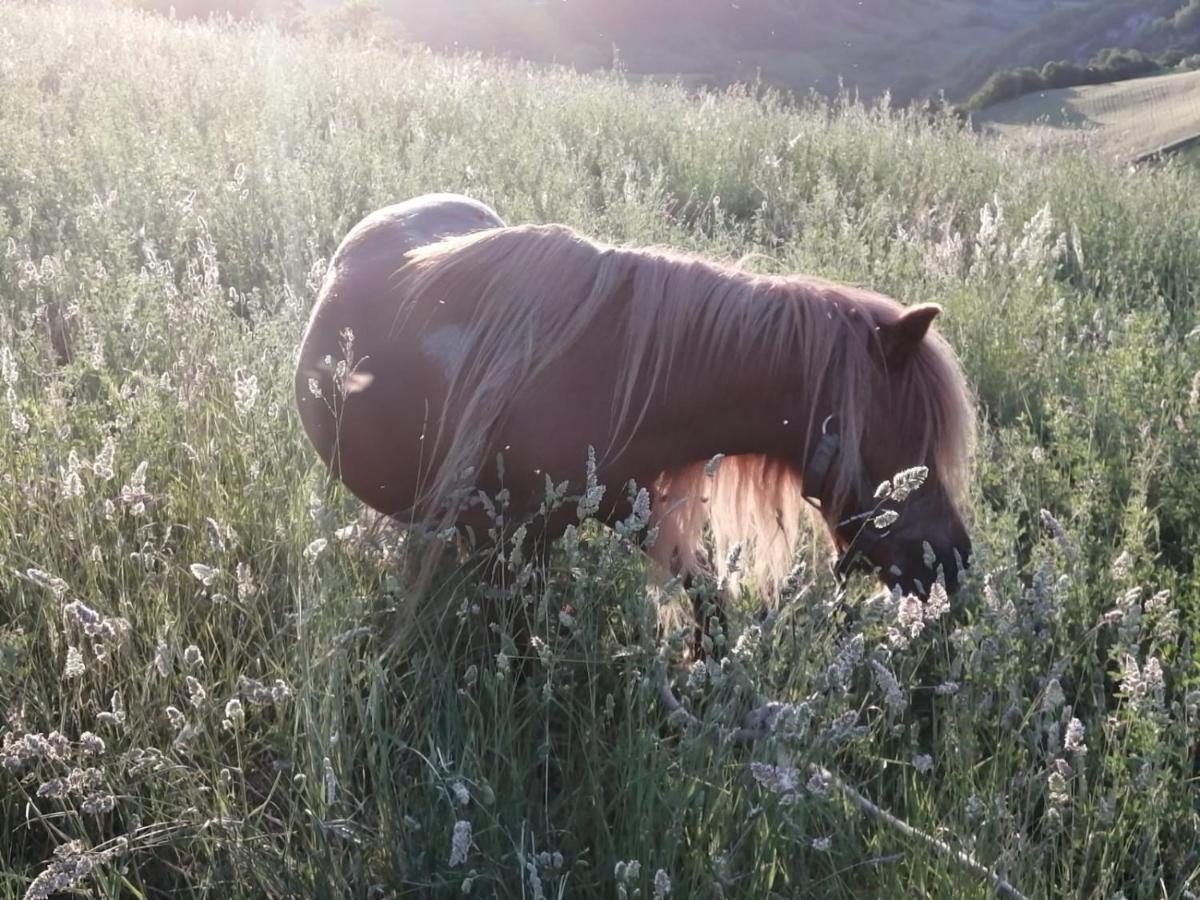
{"points": [[741, 402]]}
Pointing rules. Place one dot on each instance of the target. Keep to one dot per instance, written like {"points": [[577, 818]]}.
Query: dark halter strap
{"points": [[820, 464], [816, 479]]}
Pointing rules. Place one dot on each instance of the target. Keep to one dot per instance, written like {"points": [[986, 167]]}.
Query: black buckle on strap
{"points": [[821, 463]]}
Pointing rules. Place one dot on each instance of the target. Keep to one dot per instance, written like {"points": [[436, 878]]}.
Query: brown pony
{"points": [[442, 338]]}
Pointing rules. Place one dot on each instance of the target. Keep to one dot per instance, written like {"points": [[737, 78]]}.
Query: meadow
{"points": [[200, 681], [1121, 122]]}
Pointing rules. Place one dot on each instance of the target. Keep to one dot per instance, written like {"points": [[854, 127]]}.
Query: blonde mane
{"points": [[542, 289]]}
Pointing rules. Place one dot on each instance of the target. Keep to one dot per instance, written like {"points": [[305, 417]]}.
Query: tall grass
{"points": [[196, 666]]}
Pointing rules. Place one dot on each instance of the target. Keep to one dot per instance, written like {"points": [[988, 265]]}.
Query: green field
{"points": [[199, 681], [1119, 122]]}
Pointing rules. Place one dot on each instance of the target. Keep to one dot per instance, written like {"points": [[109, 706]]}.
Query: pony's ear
{"points": [[899, 339]]}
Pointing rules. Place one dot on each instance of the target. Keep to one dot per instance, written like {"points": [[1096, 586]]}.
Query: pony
{"points": [[449, 353]]}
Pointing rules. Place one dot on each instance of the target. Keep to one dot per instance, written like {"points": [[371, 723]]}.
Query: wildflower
{"points": [[1122, 566], [254, 691], [1053, 698], [30, 747], [102, 465], [330, 780], [821, 844], [662, 884], [893, 694], [193, 657], [313, 550], [542, 649], [54, 789], [747, 642], [1157, 602], [589, 503], [215, 539], [533, 876], [16, 417], [8, 367], [885, 519], [196, 693], [91, 744], [1142, 683], [910, 616], [148, 759], [928, 557], [116, 703], [246, 588], [99, 803], [70, 866], [72, 486], [991, 226], [206, 575], [175, 717], [939, 602], [733, 559], [515, 555], [74, 667], [781, 780], [907, 482], [627, 872], [503, 663], [48, 581], [1035, 247], [235, 715], [460, 844], [134, 494], [78, 618], [162, 658], [1059, 533], [639, 516], [461, 795], [115, 715], [818, 785], [923, 763], [1152, 672], [974, 808], [1057, 786], [245, 391]]}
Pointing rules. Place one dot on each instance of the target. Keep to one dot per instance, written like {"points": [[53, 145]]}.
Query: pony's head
{"points": [[889, 446]]}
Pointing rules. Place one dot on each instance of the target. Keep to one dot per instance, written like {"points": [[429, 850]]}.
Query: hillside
{"points": [[1124, 121], [1076, 33], [216, 677], [908, 47]]}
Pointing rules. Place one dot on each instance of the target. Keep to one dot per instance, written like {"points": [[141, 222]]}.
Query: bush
{"points": [[1109, 65]]}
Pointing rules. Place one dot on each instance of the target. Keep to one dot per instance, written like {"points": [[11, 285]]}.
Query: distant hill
{"points": [[911, 48], [1126, 121], [1076, 33]]}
